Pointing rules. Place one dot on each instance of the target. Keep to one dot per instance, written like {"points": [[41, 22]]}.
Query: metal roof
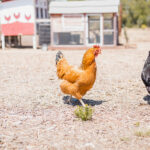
{"points": [[101, 6]]}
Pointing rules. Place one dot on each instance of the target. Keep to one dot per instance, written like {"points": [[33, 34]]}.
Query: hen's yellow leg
{"points": [[82, 102]]}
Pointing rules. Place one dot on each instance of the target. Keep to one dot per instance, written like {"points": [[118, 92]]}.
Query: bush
{"points": [[85, 113]]}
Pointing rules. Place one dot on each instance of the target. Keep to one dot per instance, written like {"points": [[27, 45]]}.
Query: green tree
{"points": [[136, 12]]}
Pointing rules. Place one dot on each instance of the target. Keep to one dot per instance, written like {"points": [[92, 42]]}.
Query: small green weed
{"points": [[137, 124], [142, 133], [85, 113], [125, 139]]}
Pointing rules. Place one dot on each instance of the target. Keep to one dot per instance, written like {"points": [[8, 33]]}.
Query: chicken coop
{"points": [[79, 24], [24, 23]]}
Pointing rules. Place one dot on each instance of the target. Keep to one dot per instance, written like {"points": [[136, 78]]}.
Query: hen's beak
{"points": [[100, 51]]}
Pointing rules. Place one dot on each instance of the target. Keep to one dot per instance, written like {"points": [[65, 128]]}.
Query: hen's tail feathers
{"points": [[59, 56]]}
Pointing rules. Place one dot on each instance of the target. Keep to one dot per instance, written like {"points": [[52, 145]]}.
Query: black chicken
{"points": [[145, 75]]}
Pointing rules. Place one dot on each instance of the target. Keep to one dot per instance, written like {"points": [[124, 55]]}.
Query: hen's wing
{"points": [[67, 72]]}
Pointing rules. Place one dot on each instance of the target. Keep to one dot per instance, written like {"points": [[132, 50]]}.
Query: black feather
{"points": [[59, 56], [145, 75]]}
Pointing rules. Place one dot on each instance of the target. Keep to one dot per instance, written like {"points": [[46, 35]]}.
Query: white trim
{"points": [[109, 30], [101, 6], [43, 20]]}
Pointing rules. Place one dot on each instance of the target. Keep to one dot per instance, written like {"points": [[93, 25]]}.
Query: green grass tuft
{"points": [[85, 113], [124, 139], [142, 133], [137, 124]]}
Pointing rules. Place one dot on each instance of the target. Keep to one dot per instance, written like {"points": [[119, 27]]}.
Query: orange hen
{"points": [[77, 81]]}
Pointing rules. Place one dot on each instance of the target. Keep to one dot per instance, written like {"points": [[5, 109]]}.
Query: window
{"points": [[108, 22], [93, 29], [68, 38], [108, 37], [37, 12], [41, 12], [46, 13], [108, 29]]}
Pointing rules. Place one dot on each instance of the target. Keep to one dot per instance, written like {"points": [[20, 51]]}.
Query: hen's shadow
{"points": [[147, 98], [75, 102]]}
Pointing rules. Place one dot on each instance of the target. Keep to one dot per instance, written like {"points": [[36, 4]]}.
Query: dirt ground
{"points": [[34, 116]]}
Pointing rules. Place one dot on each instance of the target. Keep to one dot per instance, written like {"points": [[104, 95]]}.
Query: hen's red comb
{"points": [[96, 46]]}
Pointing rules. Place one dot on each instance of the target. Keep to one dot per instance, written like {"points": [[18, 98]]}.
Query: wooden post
{"points": [[51, 29], [20, 41], [9, 41], [115, 29], [85, 30], [102, 29], [3, 42], [34, 36]]}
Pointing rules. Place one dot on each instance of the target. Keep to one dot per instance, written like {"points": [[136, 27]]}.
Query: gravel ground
{"points": [[33, 114]]}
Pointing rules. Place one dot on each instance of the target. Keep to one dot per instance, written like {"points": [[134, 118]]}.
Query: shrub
{"points": [[85, 113]]}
